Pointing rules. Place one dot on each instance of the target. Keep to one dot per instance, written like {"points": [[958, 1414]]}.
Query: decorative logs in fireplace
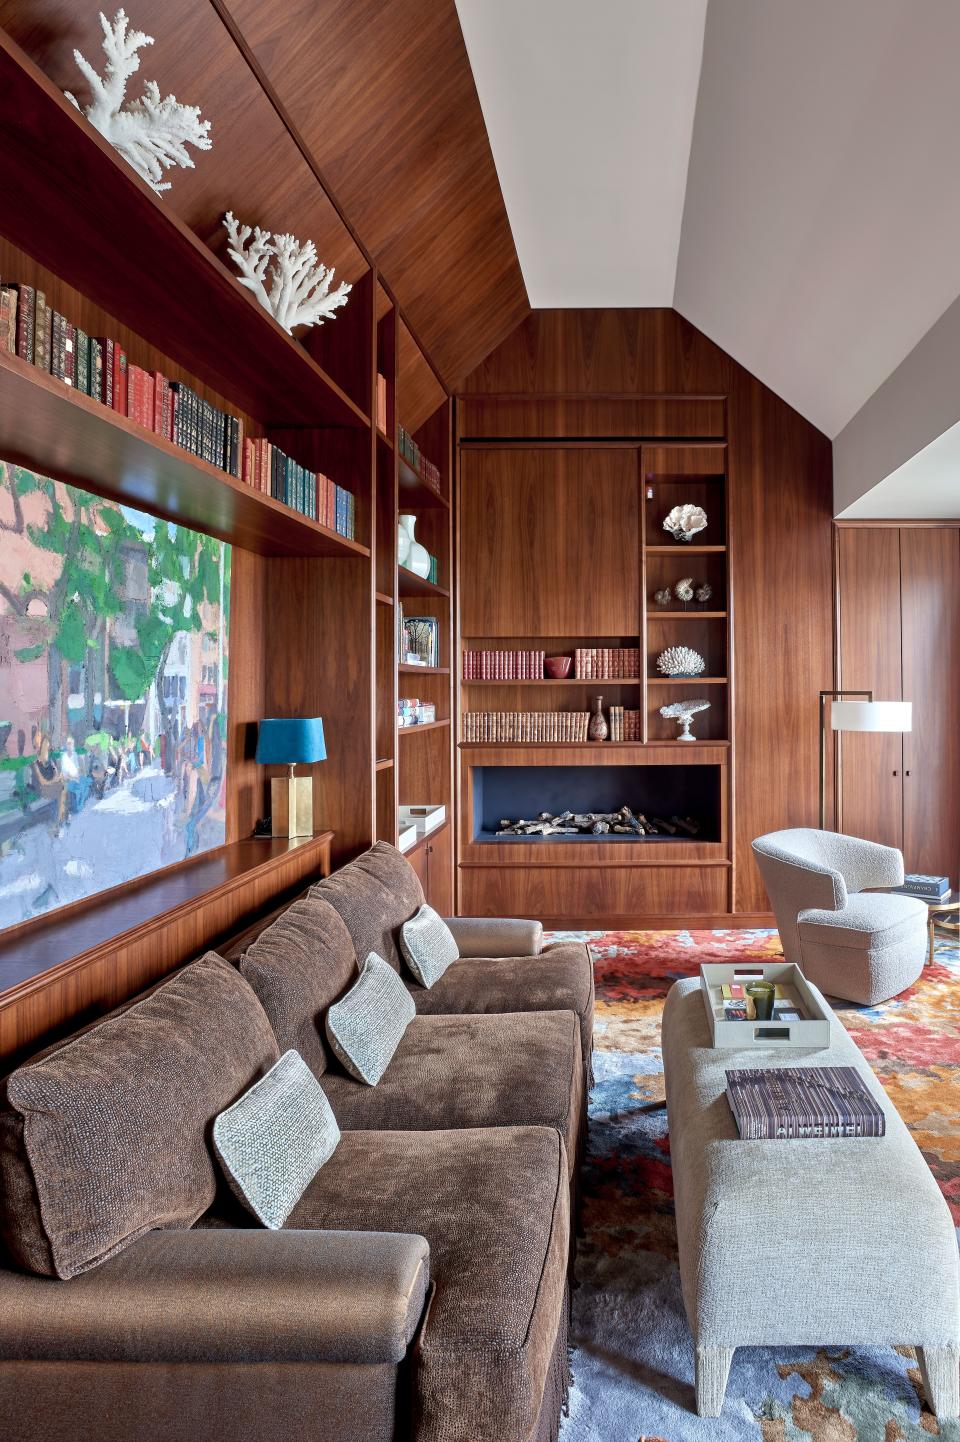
{"points": [[599, 823]]}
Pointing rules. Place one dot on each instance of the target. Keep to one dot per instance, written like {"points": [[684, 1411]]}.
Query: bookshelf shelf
{"points": [[384, 764], [557, 681], [682, 549], [413, 670], [409, 584], [143, 264], [686, 680], [383, 599], [384, 440], [424, 726], [59, 432], [658, 615], [414, 492]]}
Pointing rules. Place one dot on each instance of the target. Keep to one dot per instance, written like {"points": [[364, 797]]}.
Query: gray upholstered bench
{"points": [[856, 1242]]}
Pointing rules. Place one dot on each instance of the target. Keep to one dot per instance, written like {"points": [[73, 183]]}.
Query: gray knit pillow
{"points": [[273, 1141], [366, 1026], [428, 945]]}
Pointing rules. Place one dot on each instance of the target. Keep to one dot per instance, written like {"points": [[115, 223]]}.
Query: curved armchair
{"points": [[862, 946]]}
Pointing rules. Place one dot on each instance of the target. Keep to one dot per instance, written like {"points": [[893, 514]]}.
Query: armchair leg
{"points": [[712, 1368], [940, 1370]]}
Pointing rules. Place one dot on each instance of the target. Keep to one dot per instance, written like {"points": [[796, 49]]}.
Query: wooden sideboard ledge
{"points": [[83, 959]]}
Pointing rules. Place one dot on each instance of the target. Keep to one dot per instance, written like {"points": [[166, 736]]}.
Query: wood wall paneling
{"points": [[778, 525], [930, 591], [871, 764], [552, 541], [409, 161]]}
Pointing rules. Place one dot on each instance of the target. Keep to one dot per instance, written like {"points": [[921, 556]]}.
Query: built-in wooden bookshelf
{"points": [[524, 503], [313, 614], [422, 772]]}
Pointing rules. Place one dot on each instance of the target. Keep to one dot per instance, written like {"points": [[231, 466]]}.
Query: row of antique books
{"points": [[416, 460], [625, 725], [545, 726], [98, 366], [269, 469], [503, 665], [599, 663]]}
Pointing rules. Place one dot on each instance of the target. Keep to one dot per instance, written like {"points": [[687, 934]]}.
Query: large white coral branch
{"points": [[299, 291], [151, 134]]}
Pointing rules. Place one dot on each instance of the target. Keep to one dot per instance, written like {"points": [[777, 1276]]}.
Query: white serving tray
{"points": [[406, 837], [762, 1035]]}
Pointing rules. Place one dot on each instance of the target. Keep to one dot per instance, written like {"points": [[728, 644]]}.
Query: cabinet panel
{"points": [[559, 534], [930, 570], [601, 893], [871, 789]]}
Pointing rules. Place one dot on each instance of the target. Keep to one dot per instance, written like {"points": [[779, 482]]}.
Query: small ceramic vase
{"points": [[417, 558], [598, 730], [403, 541]]}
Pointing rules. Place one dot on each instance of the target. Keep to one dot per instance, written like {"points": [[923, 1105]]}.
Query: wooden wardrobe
{"points": [[898, 609]]}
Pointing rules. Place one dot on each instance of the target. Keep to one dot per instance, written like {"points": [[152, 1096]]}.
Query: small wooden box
{"points": [[813, 1033]]}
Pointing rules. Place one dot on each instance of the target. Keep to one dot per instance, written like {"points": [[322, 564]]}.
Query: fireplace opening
{"points": [[682, 797]]}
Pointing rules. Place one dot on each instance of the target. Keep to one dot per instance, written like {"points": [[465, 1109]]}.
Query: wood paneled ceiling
{"points": [[376, 98]]}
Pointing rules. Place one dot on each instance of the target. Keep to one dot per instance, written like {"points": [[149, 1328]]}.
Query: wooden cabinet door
{"points": [[930, 574], [559, 533], [871, 763]]}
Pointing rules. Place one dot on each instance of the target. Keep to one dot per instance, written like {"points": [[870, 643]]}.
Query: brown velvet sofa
{"points": [[419, 1288]]}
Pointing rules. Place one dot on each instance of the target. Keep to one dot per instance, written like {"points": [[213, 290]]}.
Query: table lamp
{"points": [[861, 715], [291, 742]]}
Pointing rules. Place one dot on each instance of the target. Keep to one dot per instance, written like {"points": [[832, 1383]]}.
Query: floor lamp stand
{"points": [[826, 696]]}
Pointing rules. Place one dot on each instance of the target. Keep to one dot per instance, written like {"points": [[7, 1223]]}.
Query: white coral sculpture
{"points": [[299, 292], [683, 711], [151, 134], [680, 661], [684, 522]]}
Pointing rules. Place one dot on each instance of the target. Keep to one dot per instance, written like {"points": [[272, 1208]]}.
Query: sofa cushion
{"points": [[523, 1069], [275, 1139], [366, 1025], [869, 919], [494, 1207], [106, 1136], [560, 978], [374, 895], [298, 967], [428, 946]]}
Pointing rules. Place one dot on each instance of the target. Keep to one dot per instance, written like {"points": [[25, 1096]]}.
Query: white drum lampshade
{"points": [[871, 716]]}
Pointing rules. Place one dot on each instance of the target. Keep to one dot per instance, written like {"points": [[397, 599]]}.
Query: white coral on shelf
{"points": [[684, 711], [684, 522], [299, 285], [680, 661], [151, 134]]}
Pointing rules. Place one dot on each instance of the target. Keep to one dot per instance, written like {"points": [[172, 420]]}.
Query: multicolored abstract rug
{"points": [[632, 1352]]}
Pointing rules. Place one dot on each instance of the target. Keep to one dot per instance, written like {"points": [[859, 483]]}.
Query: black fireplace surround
{"points": [[509, 792]]}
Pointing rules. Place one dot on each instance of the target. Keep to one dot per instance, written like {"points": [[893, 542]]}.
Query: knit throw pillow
{"points": [[428, 945], [366, 1026], [273, 1141]]}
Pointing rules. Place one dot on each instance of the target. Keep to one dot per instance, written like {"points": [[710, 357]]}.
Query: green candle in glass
{"points": [[762, 994]]}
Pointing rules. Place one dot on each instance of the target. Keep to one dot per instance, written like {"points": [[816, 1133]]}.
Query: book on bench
{"points": [[795, 1103]]}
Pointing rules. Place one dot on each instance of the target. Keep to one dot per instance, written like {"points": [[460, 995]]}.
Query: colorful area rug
{"points": [[632, 1351]]}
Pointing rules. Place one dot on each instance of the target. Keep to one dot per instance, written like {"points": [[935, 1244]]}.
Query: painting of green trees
{"points": [[113, 690]]}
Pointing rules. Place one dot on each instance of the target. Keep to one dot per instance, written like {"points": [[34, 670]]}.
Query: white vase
{"points": [[410, 553], [403, 541]]}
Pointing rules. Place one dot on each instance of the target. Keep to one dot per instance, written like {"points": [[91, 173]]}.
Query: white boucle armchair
{"points": [[859, 945]]}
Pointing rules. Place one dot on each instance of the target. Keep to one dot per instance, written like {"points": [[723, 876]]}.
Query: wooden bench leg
{"points": [[940, 1370], [712, 1369]]}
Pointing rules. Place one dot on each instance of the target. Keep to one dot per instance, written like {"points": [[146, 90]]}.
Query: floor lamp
{"points": [[861, 715]]}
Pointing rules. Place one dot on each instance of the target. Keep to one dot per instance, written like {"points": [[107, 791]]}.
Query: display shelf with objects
{"points": [[588, 649]]}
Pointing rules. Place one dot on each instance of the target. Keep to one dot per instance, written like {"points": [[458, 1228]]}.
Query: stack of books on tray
{"points": [[796, 1103]]}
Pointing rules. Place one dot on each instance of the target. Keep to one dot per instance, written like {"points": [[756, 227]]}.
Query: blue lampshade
{"points": [[287, 741]]}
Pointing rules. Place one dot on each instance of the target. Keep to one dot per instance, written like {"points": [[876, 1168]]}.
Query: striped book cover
{"points": [[793, 1103]]}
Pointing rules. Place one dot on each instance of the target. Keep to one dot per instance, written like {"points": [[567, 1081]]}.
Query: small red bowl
{"points": [[558, 667]]}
